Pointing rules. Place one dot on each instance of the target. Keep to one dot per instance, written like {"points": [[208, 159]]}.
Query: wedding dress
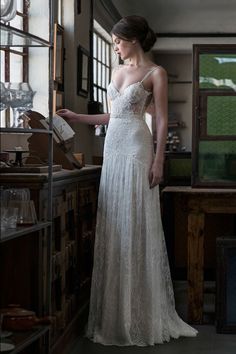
{"points": [[132, 300]]}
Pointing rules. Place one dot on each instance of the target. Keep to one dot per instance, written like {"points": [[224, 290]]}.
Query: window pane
{"points": [[17, 21], [99, 74], [95, 72], [16, 68], [95, 92], [103, 52], [19, 5], [107, 77], [107, 54], [99, 95], [2, 56], [217, 71], [99, 49], [221, 115], [104, 102], [103, 76], [217, 161], [95, 49]]}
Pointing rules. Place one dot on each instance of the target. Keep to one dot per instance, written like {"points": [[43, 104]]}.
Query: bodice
{"points": [[133, 100]]}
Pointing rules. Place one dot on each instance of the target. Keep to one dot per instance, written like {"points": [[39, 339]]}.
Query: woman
{"points": [[132, 300]]}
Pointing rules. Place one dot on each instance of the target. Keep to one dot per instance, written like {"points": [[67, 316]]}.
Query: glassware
{"points": [[8, 10], [15, 194], [9, 216], [21, 101], [19, 198], [26, 212], [3, 212], [4, 97]]}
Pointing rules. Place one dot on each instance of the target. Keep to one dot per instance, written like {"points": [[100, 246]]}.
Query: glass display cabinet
{"points": [[25, 250], [214, 124]]}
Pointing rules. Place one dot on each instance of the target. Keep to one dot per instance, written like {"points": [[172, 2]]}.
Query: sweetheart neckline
{"points": [[132, 84]]}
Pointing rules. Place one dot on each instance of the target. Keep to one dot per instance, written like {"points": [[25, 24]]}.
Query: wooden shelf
{"points": [[180, 82], [22, 340], [21, 231], [177, 101], [23, 131], [179, 124]]}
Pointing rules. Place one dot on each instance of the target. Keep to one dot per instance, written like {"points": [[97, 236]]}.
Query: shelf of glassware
{"points": [[13, 37], [10, 234]]}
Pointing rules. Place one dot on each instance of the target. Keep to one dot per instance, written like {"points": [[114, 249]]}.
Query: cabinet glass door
{"points": [[214, 116]]}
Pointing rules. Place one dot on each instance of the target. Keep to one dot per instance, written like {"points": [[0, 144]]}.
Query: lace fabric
{"points": [[132, 299]]}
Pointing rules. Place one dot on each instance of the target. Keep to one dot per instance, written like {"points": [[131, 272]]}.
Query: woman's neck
{"points": [[139, 60]]}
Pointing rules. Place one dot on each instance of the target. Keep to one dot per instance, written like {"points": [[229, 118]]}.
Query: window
{"points": [[14, 61], [101, 64], [214, 97]]}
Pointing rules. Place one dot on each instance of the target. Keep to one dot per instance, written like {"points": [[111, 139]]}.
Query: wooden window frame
{"points": [[24, 53], [199, 109], [107, 66]]}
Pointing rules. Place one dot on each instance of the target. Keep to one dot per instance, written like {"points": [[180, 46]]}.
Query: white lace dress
{"points": [[132, 300]]}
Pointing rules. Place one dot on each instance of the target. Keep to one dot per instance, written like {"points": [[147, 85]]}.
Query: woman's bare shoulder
{"points": [[159, 74], [159, 70]]}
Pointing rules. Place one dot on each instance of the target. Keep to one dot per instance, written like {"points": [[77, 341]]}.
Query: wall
{"points": [[76, 33], [181, 66], [185, 16]]}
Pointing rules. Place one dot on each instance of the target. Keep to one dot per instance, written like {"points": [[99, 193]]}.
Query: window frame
{"points": [[24, 53], [199, 126], [102, 63]]}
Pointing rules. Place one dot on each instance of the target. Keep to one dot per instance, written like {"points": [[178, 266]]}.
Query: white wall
{"points": [[77, 33], [181, 66]]}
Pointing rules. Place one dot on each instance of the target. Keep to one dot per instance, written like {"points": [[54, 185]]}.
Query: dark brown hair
{"points": [[135, 27]]}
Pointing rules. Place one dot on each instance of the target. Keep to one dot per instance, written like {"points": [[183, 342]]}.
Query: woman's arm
{"points": [[160, 96], [93, 119]]}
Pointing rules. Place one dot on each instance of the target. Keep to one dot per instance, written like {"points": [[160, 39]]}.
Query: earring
{"points": [[133, 42]]}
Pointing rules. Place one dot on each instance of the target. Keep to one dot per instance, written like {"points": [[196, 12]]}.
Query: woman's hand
{"points": [[68, 115], [155, 173]]}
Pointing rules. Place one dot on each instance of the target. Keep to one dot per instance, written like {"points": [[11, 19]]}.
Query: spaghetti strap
{"points": [[149, 73]]}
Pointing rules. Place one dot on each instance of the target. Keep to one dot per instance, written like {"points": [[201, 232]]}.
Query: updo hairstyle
{"points": [[135, 27]]}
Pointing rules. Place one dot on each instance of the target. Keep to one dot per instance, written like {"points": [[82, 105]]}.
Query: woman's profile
{"points": [[132, 300]]}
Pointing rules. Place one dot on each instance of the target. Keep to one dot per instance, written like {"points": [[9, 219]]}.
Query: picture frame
{"points": [[58, 55], [58, 100], [78, 7], [82, 72]]}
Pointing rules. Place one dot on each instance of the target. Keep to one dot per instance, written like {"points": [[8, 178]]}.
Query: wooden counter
{"points": [[198, 202]]}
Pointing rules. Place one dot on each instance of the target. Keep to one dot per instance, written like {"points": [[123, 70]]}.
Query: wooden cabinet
{"points": [[25, 262], [177, 168]]}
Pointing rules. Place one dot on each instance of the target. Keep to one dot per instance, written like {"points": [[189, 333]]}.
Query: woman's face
{"points": [[123, 48]]}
